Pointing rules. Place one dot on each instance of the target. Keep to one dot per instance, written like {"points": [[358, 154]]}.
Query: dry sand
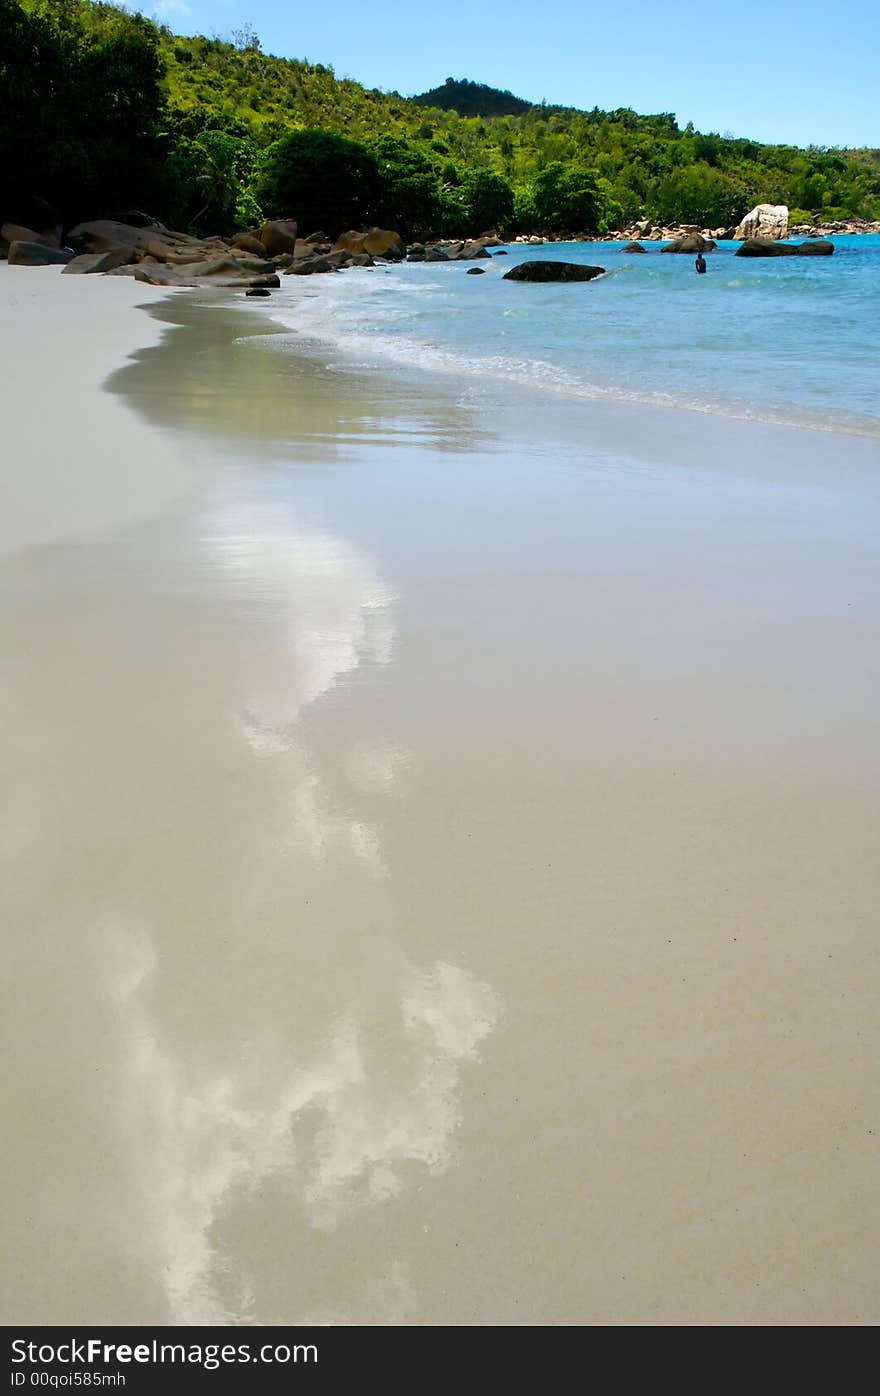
{"points": [[439, 853]]}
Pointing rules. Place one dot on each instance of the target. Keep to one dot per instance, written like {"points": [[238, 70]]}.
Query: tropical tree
{"points": [[324, 180]]}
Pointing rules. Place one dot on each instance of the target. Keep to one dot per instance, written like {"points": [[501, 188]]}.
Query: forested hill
{"points": [[472, 99], [105, 110]]}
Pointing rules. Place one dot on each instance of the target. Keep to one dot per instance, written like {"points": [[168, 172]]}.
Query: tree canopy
{"points": [[105, 109]]}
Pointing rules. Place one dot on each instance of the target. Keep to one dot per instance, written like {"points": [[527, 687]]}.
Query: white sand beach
{"points": [[439, 846]]}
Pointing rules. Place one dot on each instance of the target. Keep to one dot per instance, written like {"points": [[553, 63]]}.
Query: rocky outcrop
{"points": [[764, 247], [104, 234], [841, 225], [91, 263], [278, 236], [37, 254], [553, 271], [221, 270], [690, 244], [418, 253], [465, 251], [329, 261], [378, 242], [768, 221], [17, 232], [304, 248], [634, 247], [309, 266], [246, 242]]}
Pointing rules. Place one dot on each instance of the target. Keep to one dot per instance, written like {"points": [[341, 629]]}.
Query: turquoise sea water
{"points": [[783, 339]]}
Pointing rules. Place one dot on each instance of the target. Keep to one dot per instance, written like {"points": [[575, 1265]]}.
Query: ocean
{"points": [[794, 341]]}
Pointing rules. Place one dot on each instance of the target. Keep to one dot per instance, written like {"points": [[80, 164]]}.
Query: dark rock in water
{"points": [[691, 243], [502, 252], [37, 254], [634, 247], [475, 271], [258, 291], [435, 254], [764, 247], [819, 248], [90, 263], [278, 236], [553, 271]]}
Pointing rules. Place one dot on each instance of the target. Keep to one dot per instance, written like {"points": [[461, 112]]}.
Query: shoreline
{"points": [[434, 828], [695, 437]]}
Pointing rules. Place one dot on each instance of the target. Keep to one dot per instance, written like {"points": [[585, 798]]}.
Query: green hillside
{"points": [[103, 110]]}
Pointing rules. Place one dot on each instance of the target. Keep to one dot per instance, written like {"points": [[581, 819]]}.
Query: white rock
{"points": [[764, 221]]}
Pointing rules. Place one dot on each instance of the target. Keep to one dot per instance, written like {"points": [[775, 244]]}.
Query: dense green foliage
{"points": [[104, 110], [81, 89], [336, 179]]}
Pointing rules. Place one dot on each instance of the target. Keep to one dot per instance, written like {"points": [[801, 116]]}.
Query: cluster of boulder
{"points": [[836, 227], [134, 244], [762, 233], [450, 250], [767, 222]]}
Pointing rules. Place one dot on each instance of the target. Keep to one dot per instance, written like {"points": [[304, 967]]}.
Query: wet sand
{"points": [[439, 846]]}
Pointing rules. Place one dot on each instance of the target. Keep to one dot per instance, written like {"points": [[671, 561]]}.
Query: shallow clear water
{"points": [[792, 340]]}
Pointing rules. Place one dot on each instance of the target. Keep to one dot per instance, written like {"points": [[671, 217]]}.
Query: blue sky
{"points": [[802, 71]]}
